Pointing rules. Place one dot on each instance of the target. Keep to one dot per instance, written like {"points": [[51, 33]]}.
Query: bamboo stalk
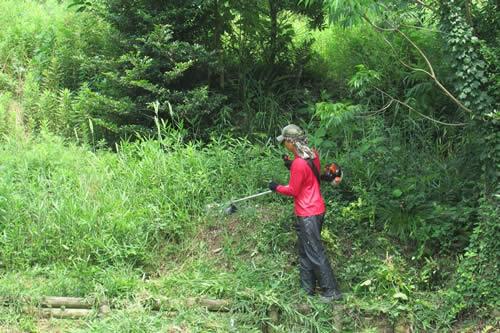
{"points": [[303, 308], [104, 309], [215, 305], [59, 307], [65, 313], [66, 302], [274, 318], [218, 305], [51, 302]]}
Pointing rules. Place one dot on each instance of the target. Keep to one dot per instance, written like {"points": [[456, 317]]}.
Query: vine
{"points": [[470, 69], [477, 278]]}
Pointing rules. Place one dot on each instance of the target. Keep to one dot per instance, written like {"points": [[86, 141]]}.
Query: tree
{"points": [[471, 40], [199, 61]]}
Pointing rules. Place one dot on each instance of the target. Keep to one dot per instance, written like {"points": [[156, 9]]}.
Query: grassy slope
{"points": [[132, 227]]}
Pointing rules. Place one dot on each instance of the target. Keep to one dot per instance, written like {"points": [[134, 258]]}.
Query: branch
{"points": [[424, 29], [417, 112], [420, 2], [433, 76], [385, 107], [419, 50], [430, 73], [402, 62]]}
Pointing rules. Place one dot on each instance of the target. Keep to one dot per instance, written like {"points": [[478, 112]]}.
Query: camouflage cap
{"points": [[290, 132]]}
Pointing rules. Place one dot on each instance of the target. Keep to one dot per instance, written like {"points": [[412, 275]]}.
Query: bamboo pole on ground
{"points": [[65, 313], [66, 302], [59, 307], [76, 307], [215, 305], [51, 302], [274, 318], [303, 308]]}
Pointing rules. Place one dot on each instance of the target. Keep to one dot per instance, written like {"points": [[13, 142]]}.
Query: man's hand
{"points": [[287, 162], [273, 185], [336, 181]]}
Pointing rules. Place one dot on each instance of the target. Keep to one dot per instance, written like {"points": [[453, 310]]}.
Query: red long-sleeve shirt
{"points": [[304, 188]]}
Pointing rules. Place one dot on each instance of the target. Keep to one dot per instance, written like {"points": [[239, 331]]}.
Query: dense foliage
{"points": [[122, 120]]}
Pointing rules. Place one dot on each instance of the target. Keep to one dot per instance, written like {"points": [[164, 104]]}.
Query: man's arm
{"points": [[295, 183]]}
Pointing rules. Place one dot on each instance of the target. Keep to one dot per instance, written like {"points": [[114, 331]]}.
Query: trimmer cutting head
{"points": [[231, 209]]}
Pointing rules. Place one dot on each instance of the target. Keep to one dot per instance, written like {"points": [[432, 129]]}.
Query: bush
{"points": [[340, 50], [477, 277]]}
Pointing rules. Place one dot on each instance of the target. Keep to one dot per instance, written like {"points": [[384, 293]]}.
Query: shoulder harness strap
{"points": [[314, 169]]}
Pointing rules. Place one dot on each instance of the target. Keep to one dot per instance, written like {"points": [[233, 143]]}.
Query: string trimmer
{"points": [[232, 207]]}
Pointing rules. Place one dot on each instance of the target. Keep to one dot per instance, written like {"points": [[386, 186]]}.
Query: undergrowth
{"points": [[147, 222]]}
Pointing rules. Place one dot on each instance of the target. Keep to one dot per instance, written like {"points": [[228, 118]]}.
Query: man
{"points": [[309, 208]]}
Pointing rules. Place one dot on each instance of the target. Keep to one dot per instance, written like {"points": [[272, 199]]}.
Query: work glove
{"points": [[273, 185], [287, 161]]}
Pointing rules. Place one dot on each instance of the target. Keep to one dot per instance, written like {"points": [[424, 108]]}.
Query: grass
{"points": [[109, 209], [133, 225], [47, 52]]}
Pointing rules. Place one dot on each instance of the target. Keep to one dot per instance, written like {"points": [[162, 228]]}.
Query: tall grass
{"points": [[77, 222], [340, 50], [63, 203], [46, 53], [7, 118]]}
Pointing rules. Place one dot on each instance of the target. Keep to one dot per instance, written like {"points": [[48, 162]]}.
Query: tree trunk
{"points": [[273, 33], [217, 40]]}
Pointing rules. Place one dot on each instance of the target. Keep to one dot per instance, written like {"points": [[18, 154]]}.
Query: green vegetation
{"points": [[127, 127]]}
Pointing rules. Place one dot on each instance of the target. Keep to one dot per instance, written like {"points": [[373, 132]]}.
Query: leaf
{"points": [[366, 283], [76, 3], [400, 295], [397, 193], [320, 132]]}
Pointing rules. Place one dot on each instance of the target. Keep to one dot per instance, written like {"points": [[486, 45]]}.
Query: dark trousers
{"points": [[313, 264]]}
